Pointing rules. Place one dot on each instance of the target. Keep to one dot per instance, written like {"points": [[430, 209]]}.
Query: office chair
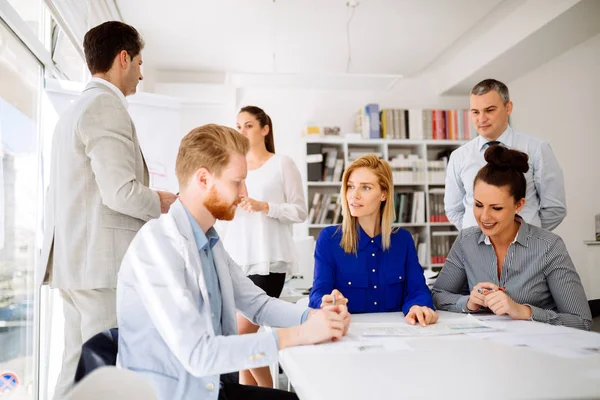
{"points": [[99, 351]]}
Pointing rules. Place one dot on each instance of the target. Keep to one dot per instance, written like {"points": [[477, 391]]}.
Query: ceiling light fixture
{"points": [[274, 38], [352, 4]]}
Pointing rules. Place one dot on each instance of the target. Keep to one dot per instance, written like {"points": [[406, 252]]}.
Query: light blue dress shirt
{"points": [[545, 200], [205, 243]]}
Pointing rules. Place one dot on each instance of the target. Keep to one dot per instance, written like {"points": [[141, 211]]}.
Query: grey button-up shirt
{"points": [[537, 272]]}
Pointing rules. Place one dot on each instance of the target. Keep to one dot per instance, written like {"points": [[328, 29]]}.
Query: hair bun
{"points": [[503, 158]]}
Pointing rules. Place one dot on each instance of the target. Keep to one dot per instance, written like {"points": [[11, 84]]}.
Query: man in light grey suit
{"points": [[178, 289], [98, 196]]}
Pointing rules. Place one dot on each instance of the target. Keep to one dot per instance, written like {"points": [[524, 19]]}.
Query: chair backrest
{"points": [[304, 260], [112, 383], [99, 351], [303, 301]]}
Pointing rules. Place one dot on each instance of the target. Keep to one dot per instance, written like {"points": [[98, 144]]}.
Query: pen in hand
{"points": [[480, 290]]}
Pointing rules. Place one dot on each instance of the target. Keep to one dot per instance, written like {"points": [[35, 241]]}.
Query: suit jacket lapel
{"points": [[138, 148]]}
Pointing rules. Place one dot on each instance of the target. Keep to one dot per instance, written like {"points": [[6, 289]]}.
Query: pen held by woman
{"points": [[489, 290], [335, 298]]}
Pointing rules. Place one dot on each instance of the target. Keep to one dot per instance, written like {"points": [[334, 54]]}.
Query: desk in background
{"points": [[443, 367], [592, 283]]}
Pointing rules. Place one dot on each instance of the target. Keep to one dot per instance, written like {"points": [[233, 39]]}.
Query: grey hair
{"points": [[487, 85]]}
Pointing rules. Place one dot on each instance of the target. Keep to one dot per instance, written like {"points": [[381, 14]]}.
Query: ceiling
{"points": [[442, 46], [398, 37]]}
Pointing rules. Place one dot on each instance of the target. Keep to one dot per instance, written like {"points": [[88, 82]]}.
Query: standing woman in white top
{"points": [[259, 238]]}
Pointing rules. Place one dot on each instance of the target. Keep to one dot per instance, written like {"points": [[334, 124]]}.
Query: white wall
{"points": [[560, 102]]}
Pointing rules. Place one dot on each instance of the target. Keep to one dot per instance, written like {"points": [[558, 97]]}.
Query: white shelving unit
{"points": [[425, 149]]}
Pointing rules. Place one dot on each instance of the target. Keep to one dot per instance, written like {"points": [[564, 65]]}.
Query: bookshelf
{"points": [[418, 167]]}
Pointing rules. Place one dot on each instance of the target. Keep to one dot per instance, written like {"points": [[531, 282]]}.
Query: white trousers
{"points": [[86, 312]]}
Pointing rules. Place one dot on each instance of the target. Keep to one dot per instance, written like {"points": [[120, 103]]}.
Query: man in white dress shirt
{"points": [[98, 196], [490, 107]]}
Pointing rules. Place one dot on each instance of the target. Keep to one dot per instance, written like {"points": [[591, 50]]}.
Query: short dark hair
{"points": [[505, 167], [488, 85], [102, 43], [263, 119]]}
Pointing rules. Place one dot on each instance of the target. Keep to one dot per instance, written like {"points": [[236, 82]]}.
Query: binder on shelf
{"points": [[314, 162], [330, 157], [372, 112]]}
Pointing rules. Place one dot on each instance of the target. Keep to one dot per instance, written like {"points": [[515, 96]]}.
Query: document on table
{"points": [[573, 344], [352, 343], [467, 324], [492, 317]]}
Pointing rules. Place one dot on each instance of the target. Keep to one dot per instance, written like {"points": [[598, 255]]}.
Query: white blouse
{"points": [[258, 240]]}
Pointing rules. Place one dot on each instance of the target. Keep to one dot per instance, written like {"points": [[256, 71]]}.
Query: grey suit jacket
{"points": [[98, 195], [166, 332]]}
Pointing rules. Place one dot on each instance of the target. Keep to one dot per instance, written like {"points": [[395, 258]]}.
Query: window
{"points": [[20, 87], [31, 12], [67, 60]]}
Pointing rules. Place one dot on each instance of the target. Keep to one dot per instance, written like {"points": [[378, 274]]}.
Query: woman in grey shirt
{"points": [[505, 265]]}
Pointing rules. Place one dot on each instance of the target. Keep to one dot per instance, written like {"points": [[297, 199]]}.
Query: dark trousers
{"points": [[272, 284], [235, 391]]}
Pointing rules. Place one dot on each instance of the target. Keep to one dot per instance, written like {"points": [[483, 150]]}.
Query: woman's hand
{"points": [[327, 300], [251, 205], [343, 312], [500, 304], [341, 309], [422, 314], [478, 295]]}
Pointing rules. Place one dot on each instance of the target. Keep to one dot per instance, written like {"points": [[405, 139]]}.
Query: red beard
{"points": [[218, 208]]}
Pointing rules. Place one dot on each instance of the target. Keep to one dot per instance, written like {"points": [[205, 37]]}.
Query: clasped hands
{"points": [[494, 297]]}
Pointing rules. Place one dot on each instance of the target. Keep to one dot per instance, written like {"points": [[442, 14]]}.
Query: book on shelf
{"points": [[330, 155], [407, 169], [409, 207], [338, 170], [437, 212], [394, 123], [326, 208], [415, 124], [444, 124], [366, 121], [314, 208], [441, 242], [323, 163]]}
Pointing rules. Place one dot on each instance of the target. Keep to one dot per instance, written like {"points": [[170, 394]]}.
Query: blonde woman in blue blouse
{"points": [[366, 263]]}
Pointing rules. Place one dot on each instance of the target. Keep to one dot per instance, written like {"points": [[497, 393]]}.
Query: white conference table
{"points": [[446, 367]]}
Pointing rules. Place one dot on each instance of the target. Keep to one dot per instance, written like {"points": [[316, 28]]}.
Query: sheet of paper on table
{"points": [[467, 324], [573, 344], [352, 343]]}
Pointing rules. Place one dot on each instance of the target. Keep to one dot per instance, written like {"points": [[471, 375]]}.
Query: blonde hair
{"points": [[383, 172], [208, 146]]}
